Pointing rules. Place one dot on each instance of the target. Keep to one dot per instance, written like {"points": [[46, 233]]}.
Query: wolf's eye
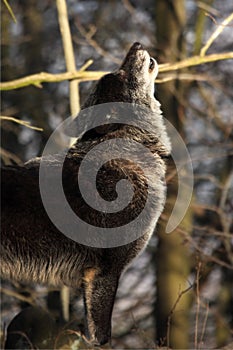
{"points": [[152, 64]]}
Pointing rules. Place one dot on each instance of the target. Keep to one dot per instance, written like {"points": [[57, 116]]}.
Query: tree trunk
{"points": [[172, 256]]}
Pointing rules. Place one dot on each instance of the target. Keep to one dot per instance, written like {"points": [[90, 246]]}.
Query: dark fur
{"points": [[34, 250]]}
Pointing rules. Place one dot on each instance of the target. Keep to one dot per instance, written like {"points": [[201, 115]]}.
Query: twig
{"points": [[74, 102], [184, 76], [86, 65], [79, 334], [202, 5], [206, 230], [44, 77], [21, 122], [192, 242], [210, 111], [181, 293], [195, 61], [65, 301], [215, 34], [200, 26], [225, 220], [17, 295], [93, 43], [69, 54], [129, 7], [8, 157], [10, 10], [24, 335], [198, 304], [204, 326]]}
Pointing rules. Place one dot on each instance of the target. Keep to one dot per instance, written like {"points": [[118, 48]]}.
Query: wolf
{"points": [[33, 249]]}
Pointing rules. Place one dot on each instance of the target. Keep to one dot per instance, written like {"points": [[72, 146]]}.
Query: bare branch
{"points": [[21, 122], [44, 77], [224, 217], [29, 300], [10, 10], [184, 77], [69, 54], [204, 325], [198, 303], [181, 293], [195, 61], [88, 36], [129, 7], [215, 34], [8, 157]]}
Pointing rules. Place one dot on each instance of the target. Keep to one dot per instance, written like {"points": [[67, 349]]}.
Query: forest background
{"points": [[179, 292]]}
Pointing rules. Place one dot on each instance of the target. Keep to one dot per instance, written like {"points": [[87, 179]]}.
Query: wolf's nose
{"points": [[137, 46]]}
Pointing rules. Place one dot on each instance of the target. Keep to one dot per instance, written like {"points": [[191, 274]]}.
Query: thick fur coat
{"points": [[33, 249]]}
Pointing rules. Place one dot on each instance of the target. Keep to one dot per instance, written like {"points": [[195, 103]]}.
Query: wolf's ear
{"points": [[99, 130], [122, 74], [108, 89], [106, 128], [112, 83]]}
